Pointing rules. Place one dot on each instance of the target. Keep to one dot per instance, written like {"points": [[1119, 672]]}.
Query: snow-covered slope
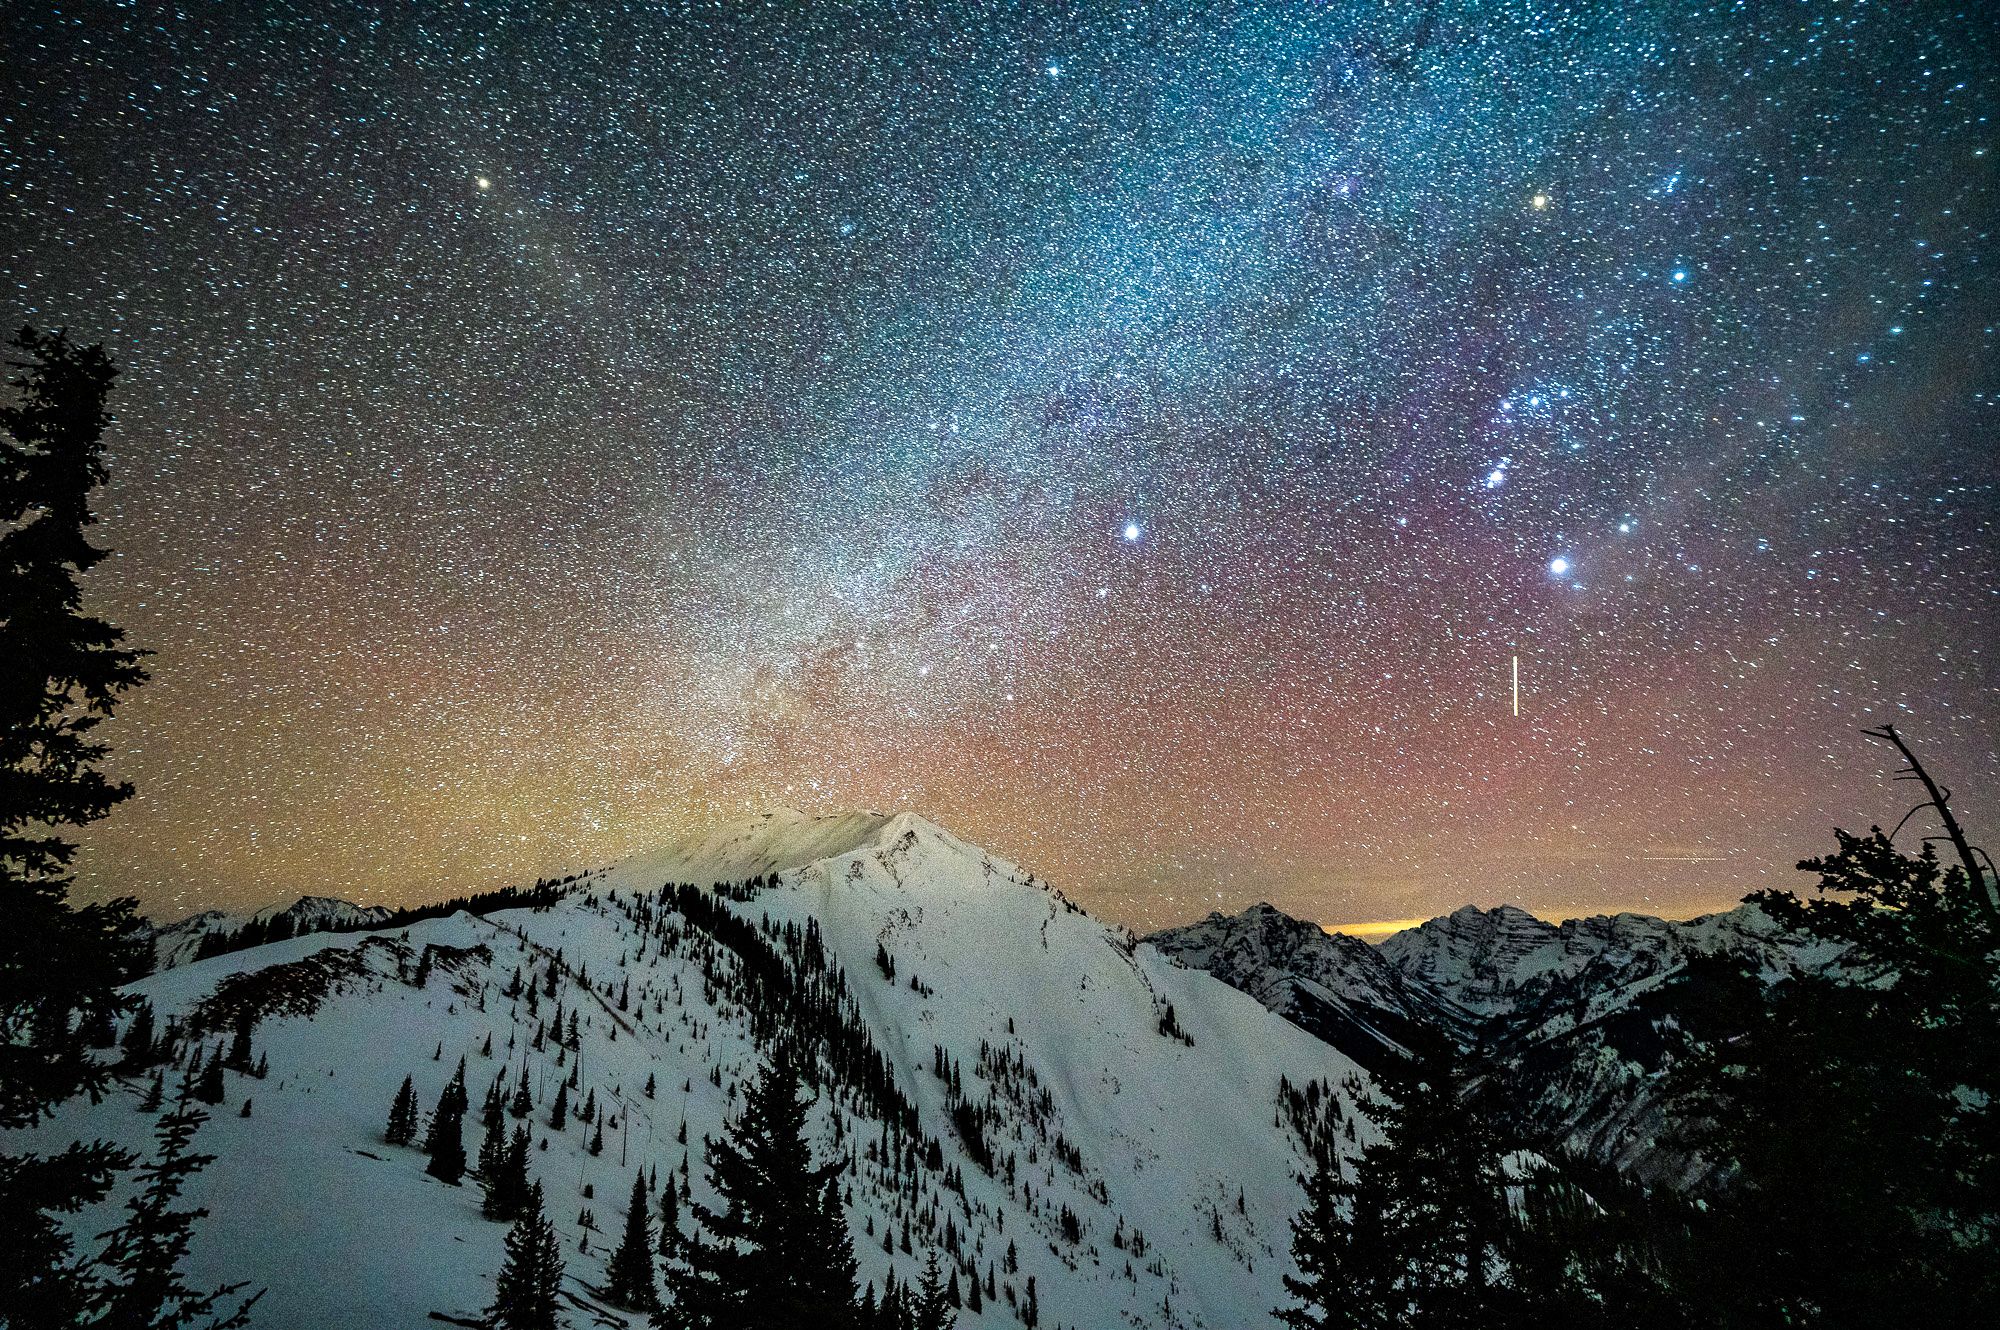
{"points": [[1138, 1097]]}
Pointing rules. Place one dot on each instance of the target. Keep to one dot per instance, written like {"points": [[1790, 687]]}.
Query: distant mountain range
{"points": [[178, 942], [1581, 1017]]}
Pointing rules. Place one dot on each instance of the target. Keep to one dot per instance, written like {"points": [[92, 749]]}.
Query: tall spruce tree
{"points": [[506, 1183], [446, 1142], [529, 1284], [631, 1269], [208, 1086], [61, 673], [402, 1128], [777, 1254], [1426, 1211], [1321, 1238], [138, 1044], [143, 1288], [933, 1310]]}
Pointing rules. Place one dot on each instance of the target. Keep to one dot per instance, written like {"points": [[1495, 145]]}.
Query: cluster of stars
{"points": [[1144, 442]]}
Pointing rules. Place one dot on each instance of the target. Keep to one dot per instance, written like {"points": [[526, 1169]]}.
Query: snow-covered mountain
{"points": [[177, 943], [1340, 988], [1581, 1014], [1109, 1139]]}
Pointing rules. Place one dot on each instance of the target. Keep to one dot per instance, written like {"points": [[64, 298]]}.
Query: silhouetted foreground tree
{"points": [[142, 1288], [1857, 1121], [62, 673], [631, 1268], [530, 1280], [777, 1253]]}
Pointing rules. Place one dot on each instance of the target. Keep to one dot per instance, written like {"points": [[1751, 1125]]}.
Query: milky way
{"points": [[1143, 442]]}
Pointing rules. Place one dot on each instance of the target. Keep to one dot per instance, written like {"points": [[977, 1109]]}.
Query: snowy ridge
{"points": [[1132, 1101], [781, 840], [176, 943]]}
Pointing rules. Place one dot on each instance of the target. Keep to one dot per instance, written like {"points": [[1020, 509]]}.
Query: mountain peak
{"points": [[782, 840]]}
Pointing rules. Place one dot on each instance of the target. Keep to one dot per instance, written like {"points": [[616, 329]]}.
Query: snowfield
{"points": [[1160, 1144]]}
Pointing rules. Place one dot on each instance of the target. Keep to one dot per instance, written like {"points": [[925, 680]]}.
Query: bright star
{"points": [[1680, 275], [1558, 565], [1132, 531], [483, 183]]}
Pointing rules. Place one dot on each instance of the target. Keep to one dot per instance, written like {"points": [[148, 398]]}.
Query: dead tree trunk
{"points": [[1940, 802]]}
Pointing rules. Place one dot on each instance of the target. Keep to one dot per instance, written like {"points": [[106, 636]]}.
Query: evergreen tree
{"points": [[559, 1111], [506, 1183], [142, 1256], [61, 673], [631, 1269], [933, 1310], [402, 1128], [1426, 1210], [208, 1087], [670, 1219], [1320, 1239], [239, 1044], [777, 1254], [155, 1094], [523, 1102], [1856, 1121], [492, 1149], [138, 1042], [446, 1142], [529, 1285]]}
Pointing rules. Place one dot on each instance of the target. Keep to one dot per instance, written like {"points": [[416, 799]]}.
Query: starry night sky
{"points": [[1142, 442]]}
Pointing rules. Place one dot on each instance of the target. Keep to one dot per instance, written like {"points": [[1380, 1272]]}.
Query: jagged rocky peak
{"points": [[1477, 955], [1336, 986], [324, 912]]}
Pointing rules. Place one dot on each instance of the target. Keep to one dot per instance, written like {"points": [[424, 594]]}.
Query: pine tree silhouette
{"points": [[445, 1143], [529, 1284], [239, 1044], [61, 673], [506, 1183], [1320, 1237], [142, 1256], [208, 1087], [631, 1268], [402, 1128], [777, 1254], [138, 1042], [933, 1310]]}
